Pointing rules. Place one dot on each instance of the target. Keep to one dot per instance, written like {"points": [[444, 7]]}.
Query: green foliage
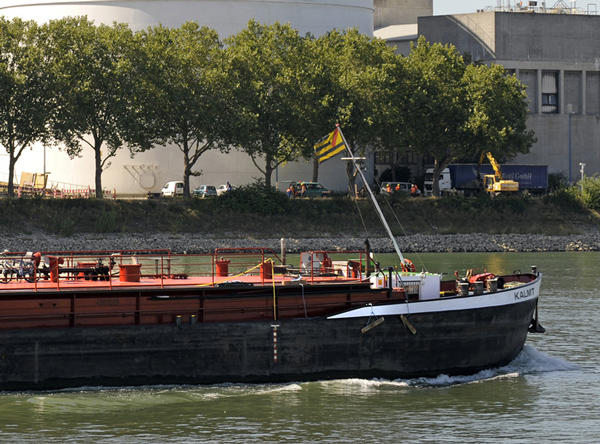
{"points": [[590, 192], [460, 110], [496, 121], [557, 181], [256, 211], [62, 224], [567, 199], [482, 204], [107, 222], [95, 90], [182, 101], [264, 68], [256, 198], [26, 92]]}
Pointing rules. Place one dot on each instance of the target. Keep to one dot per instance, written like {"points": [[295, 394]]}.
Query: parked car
{"points": [[396, 187], [204, 191], [311, 189], [221, 189], [172, 189]]}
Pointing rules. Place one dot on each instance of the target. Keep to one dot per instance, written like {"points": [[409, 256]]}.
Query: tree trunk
{"points": [[11, 172], [268, 170], [315, 176], [98, 158], [187, 170]]}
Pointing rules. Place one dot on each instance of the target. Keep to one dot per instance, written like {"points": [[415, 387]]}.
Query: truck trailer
{"points": [[465, 179]]}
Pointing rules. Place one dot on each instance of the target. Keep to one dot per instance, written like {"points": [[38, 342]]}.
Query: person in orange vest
{"points": [[398, 187], [389, 188], [414, 190]]}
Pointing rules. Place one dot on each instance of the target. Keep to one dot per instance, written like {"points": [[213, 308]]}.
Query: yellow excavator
{"points": [[494, 183]]}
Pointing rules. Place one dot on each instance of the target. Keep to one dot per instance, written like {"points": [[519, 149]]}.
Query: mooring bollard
{"points": [[478, 287]]}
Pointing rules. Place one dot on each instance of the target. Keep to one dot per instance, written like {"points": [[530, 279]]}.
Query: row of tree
{"points": [[266, 90]]}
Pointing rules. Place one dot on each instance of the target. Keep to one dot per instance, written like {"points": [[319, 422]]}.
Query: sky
{"points": [[444, 7]]}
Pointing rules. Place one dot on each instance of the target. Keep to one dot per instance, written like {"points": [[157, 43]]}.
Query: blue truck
{"points": [[463, 178]]}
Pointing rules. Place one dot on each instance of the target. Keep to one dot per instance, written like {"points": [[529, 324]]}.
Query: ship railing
{"points": [[105, 268], [348, 264], [247, 261]]}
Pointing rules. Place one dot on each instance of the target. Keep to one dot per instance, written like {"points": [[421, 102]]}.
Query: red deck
{"points": [[80, 284], [153, 289]]}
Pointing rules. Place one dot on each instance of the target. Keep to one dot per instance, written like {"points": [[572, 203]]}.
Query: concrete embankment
{"points": [[193, 243]]}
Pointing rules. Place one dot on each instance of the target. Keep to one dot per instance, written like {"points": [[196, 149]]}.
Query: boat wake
{"points": [[529, 361]]}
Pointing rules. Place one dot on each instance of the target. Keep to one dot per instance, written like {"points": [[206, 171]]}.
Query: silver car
{"points": [[204, 191]]}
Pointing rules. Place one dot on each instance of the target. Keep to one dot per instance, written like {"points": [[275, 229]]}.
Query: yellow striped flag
{"points": [[329, 146]]}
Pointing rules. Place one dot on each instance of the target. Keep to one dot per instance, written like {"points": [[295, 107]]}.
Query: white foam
{"points": [[529, 361]]}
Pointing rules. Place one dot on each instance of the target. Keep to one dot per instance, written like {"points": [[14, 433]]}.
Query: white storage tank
{"points": [[225, 16]]}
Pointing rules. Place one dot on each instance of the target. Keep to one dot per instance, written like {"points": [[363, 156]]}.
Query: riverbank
{"points": [[190, 243], [247, 218]]}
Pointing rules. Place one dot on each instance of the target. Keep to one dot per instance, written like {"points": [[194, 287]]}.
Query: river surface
{"points": [[549, 394]]}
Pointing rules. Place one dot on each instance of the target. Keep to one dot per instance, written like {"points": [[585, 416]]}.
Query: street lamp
{"points": [[581, 167]]}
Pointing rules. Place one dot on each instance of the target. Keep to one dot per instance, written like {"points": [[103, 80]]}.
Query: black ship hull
{"points": [[451, 342]]}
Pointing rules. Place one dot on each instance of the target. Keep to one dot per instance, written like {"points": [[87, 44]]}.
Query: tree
{"points": [[355, 79], [25, 90], [497, 113], [438, 110], [320, 93], [390, 111], [95, 90], [183, 78], [264, 68]]}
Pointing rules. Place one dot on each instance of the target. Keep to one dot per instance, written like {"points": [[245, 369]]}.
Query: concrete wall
{"points": [[518, 36], [474, 33], [400, 12], [547, 37]]}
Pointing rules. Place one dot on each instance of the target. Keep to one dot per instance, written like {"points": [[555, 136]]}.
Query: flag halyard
{"points": [[329, 146]]}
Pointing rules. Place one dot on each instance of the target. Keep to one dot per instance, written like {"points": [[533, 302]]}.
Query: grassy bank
{"points": [[246, 212]]}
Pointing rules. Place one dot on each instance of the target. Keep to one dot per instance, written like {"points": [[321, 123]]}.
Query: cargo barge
{"points": [[70, 319]]}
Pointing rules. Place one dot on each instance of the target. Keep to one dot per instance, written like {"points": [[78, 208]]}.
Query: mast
{"points": [[372, 197]]}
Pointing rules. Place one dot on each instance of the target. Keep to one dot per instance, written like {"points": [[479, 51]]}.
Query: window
{"points": [[549, 99], [549, 92]]}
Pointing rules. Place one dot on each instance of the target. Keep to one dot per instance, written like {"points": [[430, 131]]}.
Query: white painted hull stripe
{"points": [[455, 303]]}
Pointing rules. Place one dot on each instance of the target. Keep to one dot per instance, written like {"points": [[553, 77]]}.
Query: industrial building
{"points": [[554, 51], [556, 54]]}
